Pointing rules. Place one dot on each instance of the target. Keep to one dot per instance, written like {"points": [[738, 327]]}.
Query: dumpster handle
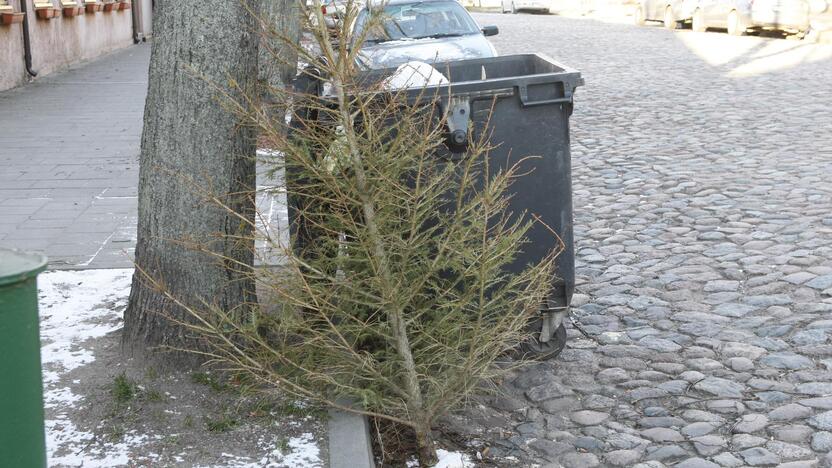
{"points": [[524, 97]]}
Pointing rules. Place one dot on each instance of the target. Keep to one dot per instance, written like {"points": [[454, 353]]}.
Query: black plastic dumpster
{"points": [[524, 101]]}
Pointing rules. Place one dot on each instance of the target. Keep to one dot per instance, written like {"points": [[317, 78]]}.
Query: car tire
{"points": [[670, 22], [698, 21], [736, 27], [638, 15]]}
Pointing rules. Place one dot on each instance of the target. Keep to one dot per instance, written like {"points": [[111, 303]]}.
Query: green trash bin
{"points": [[22, 441]]}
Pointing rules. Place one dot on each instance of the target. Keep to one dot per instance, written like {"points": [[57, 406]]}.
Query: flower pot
{"points": [[11, 18], [124, 6], [46, 13], [69, 12], [109, 6], [92, 7]]}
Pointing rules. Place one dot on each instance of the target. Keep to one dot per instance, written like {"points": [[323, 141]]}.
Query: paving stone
{"points": [[560, 405], [792, 433], [667, 453], [815, 388], [822, 441], [659, 344], [789, 412], [661, 421], [822, 421], [697, 429], [731, 309], [788, 452], [696, 462], [656, 411], [624, 441], [704, 364], [728, 407], [644, 393], [721, 286], [758, 456], [549, 448], [613, 375], [728, 460], [810, 337], [650, 464], [743, 441], [740, 364], [534, 429], [787, 360], [720, 387], [821, 282], [547, 392], [662, 435], [622, 457], [799, 277], [799, 464], [579, 460], [692, 376], [594, 402], [695, 415], [674, 387], [589, 418], [751, 423], [820, 402], [708, 445], [588, 443]]}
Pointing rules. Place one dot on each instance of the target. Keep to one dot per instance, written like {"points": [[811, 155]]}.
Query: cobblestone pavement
{"points": [[703, 197], [69, 162]]}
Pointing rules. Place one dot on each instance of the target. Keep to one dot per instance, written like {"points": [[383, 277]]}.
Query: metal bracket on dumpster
{"points": [[566, 100], [457, 111], [458, 116]]}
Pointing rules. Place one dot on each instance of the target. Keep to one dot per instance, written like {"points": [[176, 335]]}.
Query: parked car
{"points": [[514, 6], [421, 30], [740, 16], [673, 13]]}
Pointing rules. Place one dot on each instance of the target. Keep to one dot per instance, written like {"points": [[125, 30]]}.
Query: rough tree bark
{"points": [[188, 136], [283, 16]]}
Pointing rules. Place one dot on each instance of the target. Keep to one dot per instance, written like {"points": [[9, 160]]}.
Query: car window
{"points": [[418, 20]]}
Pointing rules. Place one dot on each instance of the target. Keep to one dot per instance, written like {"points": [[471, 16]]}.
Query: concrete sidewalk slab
{"points": [[69, 149]]}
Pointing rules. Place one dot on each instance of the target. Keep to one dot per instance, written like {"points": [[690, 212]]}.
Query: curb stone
{"points": [[349, 441]]}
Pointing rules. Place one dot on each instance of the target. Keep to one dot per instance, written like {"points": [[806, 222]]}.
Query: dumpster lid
{"points": [[17, 266]]}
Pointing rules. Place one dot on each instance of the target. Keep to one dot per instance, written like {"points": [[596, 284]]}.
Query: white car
{"points": [[516, 5]]}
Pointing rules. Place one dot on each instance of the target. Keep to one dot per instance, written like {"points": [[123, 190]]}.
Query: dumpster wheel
{"points": [[534, 349]]}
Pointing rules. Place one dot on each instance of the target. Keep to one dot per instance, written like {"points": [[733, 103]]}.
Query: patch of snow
{"points": [[452, 460], [447, 460], [76, 307]]}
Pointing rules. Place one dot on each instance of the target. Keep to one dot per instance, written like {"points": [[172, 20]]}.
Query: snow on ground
{"points": [[452, 460], [77, 307]]}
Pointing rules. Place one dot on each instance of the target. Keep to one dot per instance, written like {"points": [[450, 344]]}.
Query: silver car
{"points": [[516, 5], [740, 16], [672, 13], [426, 31]]}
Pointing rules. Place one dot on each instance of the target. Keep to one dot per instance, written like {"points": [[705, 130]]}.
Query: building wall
{"points": [[61, 42], [12, 67]]}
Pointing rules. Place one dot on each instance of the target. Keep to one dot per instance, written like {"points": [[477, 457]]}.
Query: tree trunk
{"points": [[188, 139], [278, 59]]}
